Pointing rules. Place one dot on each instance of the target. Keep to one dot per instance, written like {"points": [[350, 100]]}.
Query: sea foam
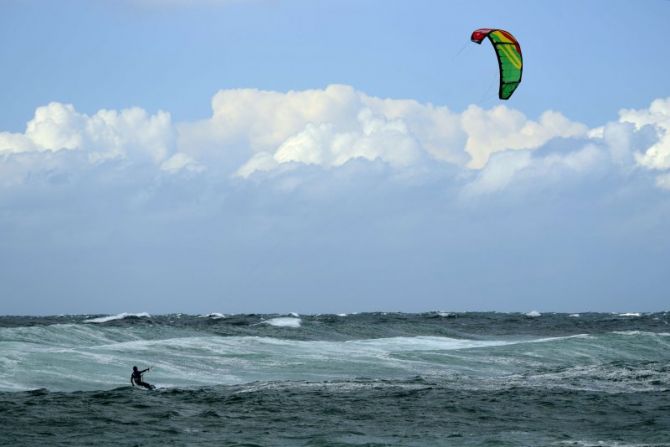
{"points": [[120, 316], [283, 322]]}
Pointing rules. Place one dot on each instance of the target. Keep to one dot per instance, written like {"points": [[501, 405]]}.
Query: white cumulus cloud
{"points": [[252, 131], [332, 126], [657, 116], [104, 135], [501, 128]]}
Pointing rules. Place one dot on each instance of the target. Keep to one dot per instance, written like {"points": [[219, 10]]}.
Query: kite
{"points": [[510, 60]]}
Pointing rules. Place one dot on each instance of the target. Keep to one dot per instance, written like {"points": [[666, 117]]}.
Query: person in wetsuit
{"points": [[136, 378]]}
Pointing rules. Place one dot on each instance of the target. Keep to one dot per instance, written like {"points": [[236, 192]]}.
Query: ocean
{"points": [[368, 379]]}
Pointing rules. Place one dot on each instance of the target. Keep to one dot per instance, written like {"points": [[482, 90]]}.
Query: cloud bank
{"points": [[321, 196], [265, 131]]}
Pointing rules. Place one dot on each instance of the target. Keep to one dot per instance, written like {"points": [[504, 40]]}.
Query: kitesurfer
{"points": [[136, 378]]}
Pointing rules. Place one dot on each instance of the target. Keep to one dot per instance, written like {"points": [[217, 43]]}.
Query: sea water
{"points": [[436, 378]]}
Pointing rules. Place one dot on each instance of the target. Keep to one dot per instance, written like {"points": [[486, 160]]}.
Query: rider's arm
{"points": [[132, 382], [145, 370]]}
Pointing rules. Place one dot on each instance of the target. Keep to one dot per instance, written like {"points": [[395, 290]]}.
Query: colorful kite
{"points": [[510, 61]]}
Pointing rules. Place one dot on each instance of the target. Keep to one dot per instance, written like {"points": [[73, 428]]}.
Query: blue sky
{"points": [[331, 156]]}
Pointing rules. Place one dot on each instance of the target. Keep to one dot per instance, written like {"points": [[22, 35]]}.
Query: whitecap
{"points": [[533, 314], [630, 314], [293, 314], [633, 332], [575, 315], [214, 315], [120, 316], [283, 322], [341, 315], [553, 339]]}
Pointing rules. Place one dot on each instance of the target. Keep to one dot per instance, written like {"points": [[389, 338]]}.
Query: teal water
{"points": [[438, 379]]}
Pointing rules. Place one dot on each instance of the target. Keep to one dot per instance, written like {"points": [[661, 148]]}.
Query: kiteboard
{"points": [[141, 388]]}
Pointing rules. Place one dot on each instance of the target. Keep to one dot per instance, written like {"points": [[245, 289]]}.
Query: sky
{"points": [[332, 156]]}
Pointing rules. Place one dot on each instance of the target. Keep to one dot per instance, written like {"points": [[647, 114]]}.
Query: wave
{"points": [[100, 357], [214, 316], [373, 324], [284, 322], [120, 316]]}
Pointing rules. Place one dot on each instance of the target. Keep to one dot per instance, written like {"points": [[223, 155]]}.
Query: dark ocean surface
{"points": [[439, 379]]}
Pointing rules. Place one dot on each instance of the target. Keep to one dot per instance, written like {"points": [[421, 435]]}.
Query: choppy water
{"points": [[460, 379]]}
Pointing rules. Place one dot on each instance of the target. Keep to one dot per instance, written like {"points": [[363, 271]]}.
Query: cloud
{"points": [[179, 162], [501, 129], [332, 126], [54, 127], [376, 138], [108, 134], [657, 117], [295, 199], [499, 173], [254, 132]]}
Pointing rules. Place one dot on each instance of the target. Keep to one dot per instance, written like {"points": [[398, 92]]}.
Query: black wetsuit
{"points": [[136, 379]]}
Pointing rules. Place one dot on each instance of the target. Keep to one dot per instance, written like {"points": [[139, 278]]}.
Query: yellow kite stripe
{"points": [[511, 54], [502, 37]]}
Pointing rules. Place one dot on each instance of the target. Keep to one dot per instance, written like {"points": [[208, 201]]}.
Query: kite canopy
{"points": [[510, 60]]}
